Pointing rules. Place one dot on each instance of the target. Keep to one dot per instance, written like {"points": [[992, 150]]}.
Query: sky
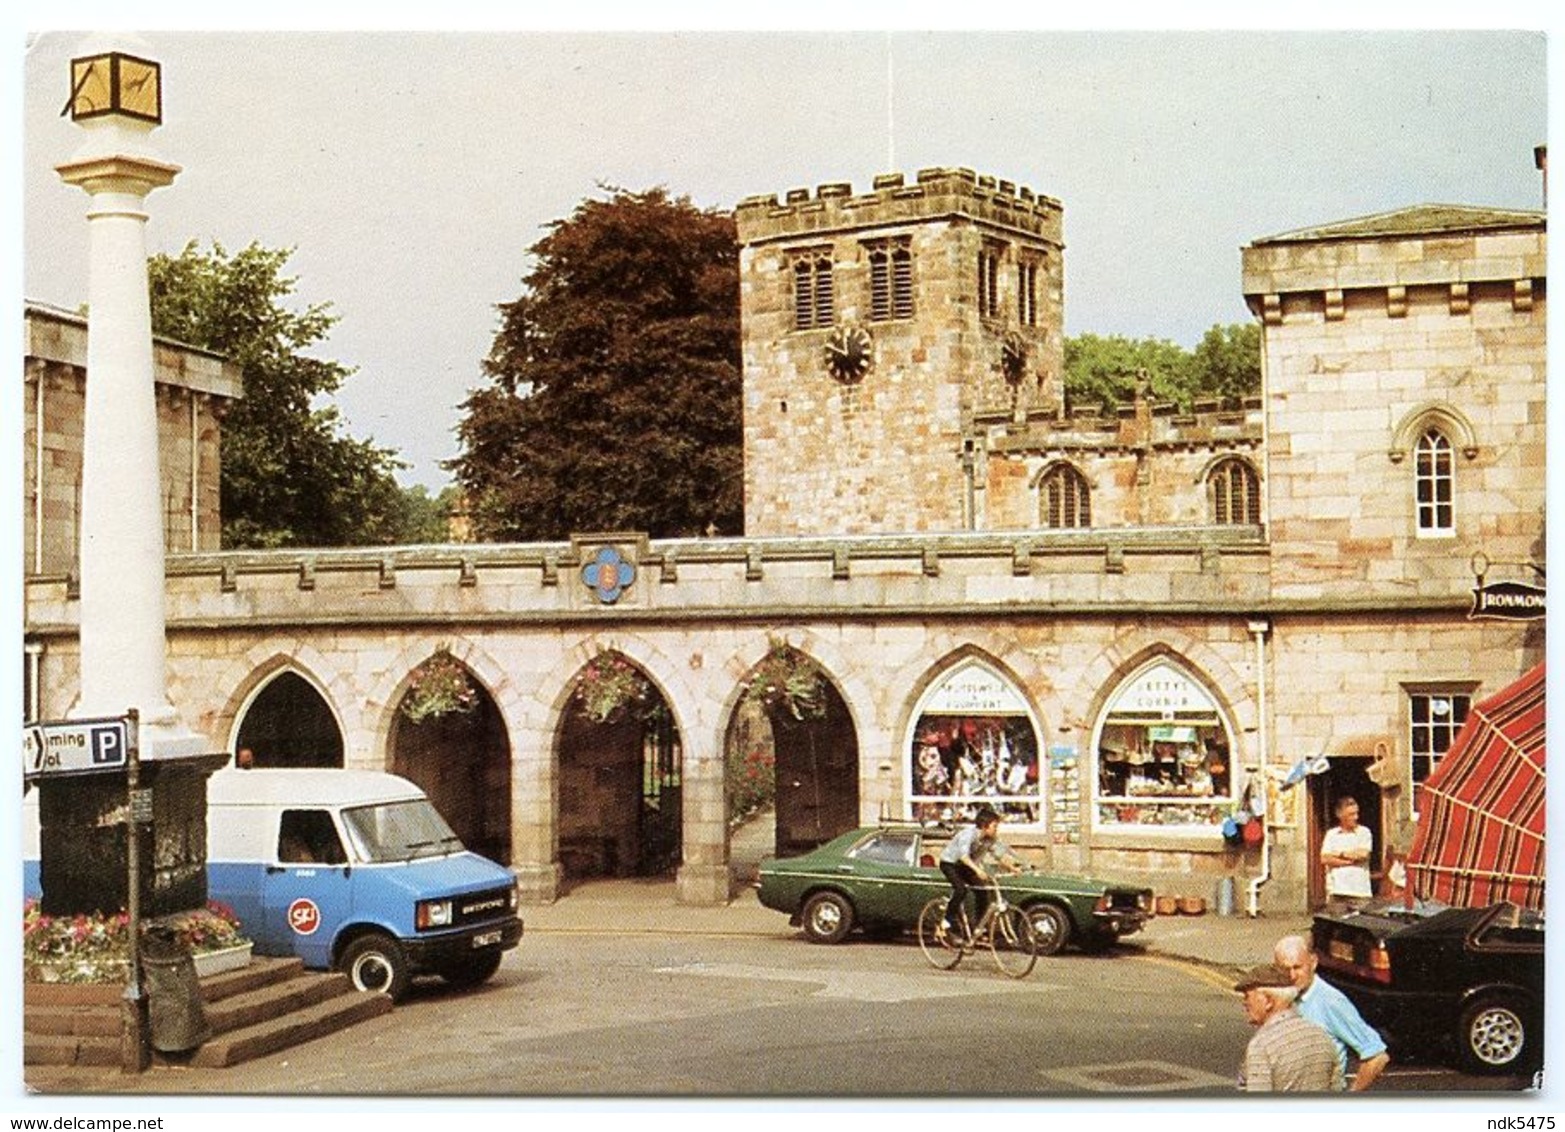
{"points": [[411, 171]]}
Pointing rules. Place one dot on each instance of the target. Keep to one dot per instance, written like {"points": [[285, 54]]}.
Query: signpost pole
{"points": [[135, 1048]]}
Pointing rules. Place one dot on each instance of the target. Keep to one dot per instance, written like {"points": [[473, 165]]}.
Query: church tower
{"points": [[875, 327]]}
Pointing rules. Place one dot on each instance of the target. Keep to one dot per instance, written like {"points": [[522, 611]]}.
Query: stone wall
{"points": [[192, 388]]}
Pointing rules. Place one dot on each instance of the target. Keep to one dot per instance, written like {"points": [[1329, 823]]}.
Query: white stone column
{"points": [[123, 646]]}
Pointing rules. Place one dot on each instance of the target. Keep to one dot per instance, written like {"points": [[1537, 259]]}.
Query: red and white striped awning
{"points": [[1481, 810]]}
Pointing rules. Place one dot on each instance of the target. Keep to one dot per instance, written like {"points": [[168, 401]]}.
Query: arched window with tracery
{"points": [[1234, 491], [1434, 484], [1064, 500]]}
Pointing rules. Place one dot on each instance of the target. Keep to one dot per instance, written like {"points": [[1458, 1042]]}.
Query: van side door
{"points": [[307, 891]]}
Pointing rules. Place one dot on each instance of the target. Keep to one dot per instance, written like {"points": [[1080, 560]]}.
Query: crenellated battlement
{"points": [[938, 192], [1137, 425]]}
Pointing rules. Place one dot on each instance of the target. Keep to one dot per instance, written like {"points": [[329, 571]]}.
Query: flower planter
{"points": [[228, 959]]}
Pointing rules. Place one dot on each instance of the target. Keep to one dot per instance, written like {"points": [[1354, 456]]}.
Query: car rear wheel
{"points": [[827, 917], [1051, 928], [1494, 1036]]}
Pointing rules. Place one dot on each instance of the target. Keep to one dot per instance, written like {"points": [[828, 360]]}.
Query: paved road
{"points": [[607, 1015]]}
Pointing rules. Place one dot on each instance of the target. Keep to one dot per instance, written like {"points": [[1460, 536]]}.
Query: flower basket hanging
{"points": [[609, 686], [788, 681], [440, 686]]}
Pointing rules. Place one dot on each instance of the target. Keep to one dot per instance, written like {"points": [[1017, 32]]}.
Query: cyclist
{"points": [[962, 862]]}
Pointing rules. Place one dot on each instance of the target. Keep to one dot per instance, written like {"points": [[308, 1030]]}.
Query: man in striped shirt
{"points": [[1287, 1054]]}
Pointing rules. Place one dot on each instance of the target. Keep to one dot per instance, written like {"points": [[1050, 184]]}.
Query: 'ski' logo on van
{"points": [[303, 916]]}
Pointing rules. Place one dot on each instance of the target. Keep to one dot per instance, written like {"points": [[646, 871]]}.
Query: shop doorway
{"points": [[620, 785], [1347, 776], [289, 724]]}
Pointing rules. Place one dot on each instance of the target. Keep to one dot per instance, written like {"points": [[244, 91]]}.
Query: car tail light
{"points": [[1380, 963]]}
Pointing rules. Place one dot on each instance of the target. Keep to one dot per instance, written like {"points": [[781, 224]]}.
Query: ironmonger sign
{"points": [[1508, 601]]}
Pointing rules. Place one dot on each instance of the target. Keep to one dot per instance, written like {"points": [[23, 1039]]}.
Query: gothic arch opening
{"points": [[290, 724], [449, 738], [792, 720], [974, 743], [620, 789]]}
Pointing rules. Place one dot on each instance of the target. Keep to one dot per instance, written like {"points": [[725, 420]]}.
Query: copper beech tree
{"points": [[614, 397]]}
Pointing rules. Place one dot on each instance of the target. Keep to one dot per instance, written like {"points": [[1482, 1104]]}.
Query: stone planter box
{"points": [[228, 959]]}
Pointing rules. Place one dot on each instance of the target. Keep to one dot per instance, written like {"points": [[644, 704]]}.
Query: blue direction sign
{"points": [[81, 746]]}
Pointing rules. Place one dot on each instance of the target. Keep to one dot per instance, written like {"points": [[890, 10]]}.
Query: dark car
{"points": [[880, 877], [1462, 982]]}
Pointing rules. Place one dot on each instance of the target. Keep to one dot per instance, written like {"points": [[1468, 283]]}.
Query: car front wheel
{"points": [[827, 917], [375, 962], [1051, 927], [1494, 1036]]}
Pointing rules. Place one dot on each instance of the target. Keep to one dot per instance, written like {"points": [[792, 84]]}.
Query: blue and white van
{"points": [[349, 869]]}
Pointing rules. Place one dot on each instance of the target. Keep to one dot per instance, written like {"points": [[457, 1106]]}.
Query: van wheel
{"points": [[375, 962], [474, 970]]}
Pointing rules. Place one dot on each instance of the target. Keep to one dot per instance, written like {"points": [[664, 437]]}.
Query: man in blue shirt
{"points": [[1332, 1011]]}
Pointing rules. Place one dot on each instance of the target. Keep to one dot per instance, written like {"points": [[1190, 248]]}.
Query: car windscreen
{"points": [[399, 831]]}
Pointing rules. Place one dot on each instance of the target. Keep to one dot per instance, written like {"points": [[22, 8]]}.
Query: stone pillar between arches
{"points": [[534, 801], [703, 876]]}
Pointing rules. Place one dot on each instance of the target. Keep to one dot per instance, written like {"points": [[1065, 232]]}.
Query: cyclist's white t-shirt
{"points": [[969, 843]]}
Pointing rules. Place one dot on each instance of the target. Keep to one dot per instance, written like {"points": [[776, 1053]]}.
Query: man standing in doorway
{"points": [[1345, 852]]}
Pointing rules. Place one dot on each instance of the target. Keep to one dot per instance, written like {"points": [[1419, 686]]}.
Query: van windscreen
{"points": [[399, 831]]}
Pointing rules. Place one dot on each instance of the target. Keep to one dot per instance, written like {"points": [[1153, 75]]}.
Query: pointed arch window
{"points": [[890, 280], [1064, 499], [1434, 484], [1164, 755], [814, 302], [1234, 494], [974, 743]]}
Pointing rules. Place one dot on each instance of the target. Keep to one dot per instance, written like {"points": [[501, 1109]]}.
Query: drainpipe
{"points": [[34, 651], [38, 456], [1259, 629], [195, 474]]}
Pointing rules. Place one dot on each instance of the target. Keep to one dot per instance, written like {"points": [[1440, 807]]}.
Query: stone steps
{"points": [[270, 1005]]}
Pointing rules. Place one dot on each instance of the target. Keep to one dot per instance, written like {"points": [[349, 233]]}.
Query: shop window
{"points": [[1434, 485], [890, 281], [1434, 718], [1164, 758], [973, 743], [1235, 493], [814, 304], [1064, 499]]}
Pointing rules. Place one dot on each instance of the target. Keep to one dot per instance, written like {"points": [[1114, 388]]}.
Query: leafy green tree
{"points": [[615, 400], [1228, 360], [289, 478], [1113, 370]]}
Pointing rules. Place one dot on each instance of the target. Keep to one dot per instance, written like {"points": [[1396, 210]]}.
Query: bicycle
{"points": [[1004, 928]]}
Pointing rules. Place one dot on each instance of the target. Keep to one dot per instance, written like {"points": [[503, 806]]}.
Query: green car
{"points": [[880, 877]]}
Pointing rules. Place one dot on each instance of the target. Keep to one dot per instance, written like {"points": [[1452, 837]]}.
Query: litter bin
{"points": [[178, 1021]]}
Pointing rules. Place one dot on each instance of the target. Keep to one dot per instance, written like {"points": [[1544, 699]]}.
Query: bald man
{"points": [[1332, 1011]]}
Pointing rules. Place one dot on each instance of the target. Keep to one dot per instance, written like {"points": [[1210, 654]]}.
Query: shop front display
{"points": [[974, 743], [1164, 758]]}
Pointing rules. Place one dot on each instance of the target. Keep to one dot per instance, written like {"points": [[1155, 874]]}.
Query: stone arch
{"points": [[247, 673], [963, 751], [1221, 458], [810, 749], [620, 769], [1175, 764], [285, 716], [461, 758], [1433, 414]]}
